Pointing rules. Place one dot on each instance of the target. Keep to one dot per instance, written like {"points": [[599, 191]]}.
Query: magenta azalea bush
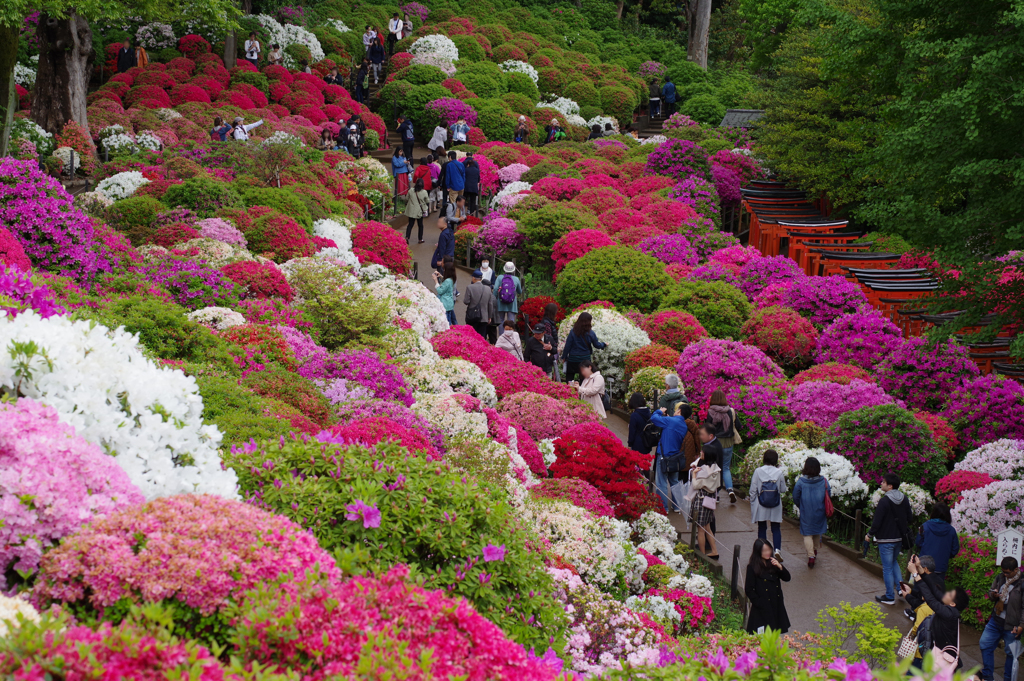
{"points": [[923, 374], [678, 159], [498, 234], [449, 110], [193, 283], [760, 408], [735, 257], [758, 274], [986, 408], [52, 482], [822, 299], [714, 271], [713, 364], [727, 183], [670, 249], [822, 402], [19, 293], [862, 338], [699, 194]]}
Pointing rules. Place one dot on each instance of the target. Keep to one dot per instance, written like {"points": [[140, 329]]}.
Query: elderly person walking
{"points": [[767, 486]]}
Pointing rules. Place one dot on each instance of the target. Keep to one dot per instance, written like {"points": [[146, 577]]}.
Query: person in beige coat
{"points": [[509, 340], [592, 388]]}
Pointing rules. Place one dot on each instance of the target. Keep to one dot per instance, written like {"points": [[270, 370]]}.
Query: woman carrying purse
{"points": [[705, 478]]}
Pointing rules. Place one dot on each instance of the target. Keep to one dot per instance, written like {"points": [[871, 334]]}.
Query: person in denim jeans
{"points": [[723, 418], [889, 527], [1007, 620]]}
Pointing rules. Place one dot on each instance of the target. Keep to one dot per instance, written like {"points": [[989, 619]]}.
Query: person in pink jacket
{"points": [[592, 388]]}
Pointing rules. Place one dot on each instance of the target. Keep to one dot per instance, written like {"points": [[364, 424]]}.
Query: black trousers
{"points": [[391, 43], [572, 371], [480, 328], [408, 228], [471, 200], [407, 148]]}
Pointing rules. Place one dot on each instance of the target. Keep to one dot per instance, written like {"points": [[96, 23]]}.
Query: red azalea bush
{"points": [[986, 409], [268, 344], [192, 46], [950, 489], [596, 455], [386, 242], [599, 199], [782, 334], [558, 188], [667, 216], [674, 329], [647, 185], [575, 491], [371, 431], [576, 244], [924, 375], [174, 233], [653, 355], [534, 309], [833, 372], [12, 253], [261, 280], [943, 433], [277, 236]]}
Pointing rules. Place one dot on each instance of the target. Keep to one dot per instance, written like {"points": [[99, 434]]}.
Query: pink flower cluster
{"points": [[370, 431], [695, 611], [822, 299], [18, 293], [51, 484], [986, 408], [862, 338], [203, 551], [362, 409], [822, 402], [220, 230], [735, 257], [499, 234], [670, 249], [758, 274], [674, 329], [543, 417], [832, 371], [713, 364], [924, 375], [575, 491], [678, 159], [949, 490], [11, 252]]}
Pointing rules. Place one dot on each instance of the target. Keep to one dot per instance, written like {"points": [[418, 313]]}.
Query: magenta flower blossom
{"points": [[822, 299], [18, 293], [823, 401], [492, 553], [484, 577], [360, 510], [718, 661], [450, 110], [862, 338], [727, 182], [670, 249], [745, 663], [678, 159], [758, 274], [923, 374], [713, 364]]}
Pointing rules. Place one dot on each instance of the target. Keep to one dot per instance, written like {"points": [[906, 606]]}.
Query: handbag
{"points": [[829, 508], [709, 502], [907, 647], [946, 658], [737, 439]]}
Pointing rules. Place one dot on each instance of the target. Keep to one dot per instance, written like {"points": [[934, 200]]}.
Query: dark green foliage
{"points": [[395, 92], [522, 84], [469, 48], [203, 195], [282, 200], [421, 74], [415, 107], [542, 228], [257, 80], [720, 308], [583, 92], [618, 274], [484, 85], [240, 414], [278, 383], [496, 121], [133, 216]]}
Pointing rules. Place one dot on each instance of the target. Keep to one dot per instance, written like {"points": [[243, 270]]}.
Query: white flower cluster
{"points": [[516, 66], [454, 375], [23, 128], [24, 76], [122, 185], [755, 455], [93, 202], [378, 173], [655, 606], [654, 139], [622, 337], [602, 121], [217, 253], [10, 608], [920, 500], [547, 450], [282, 137], [150, 418], [338, 25], [339, 231], [217, 318], [666, 550], [652, 525], [156, 36], [147, 139], [562, 105], [845, 485], [116, 140], [166, 115], [511, 189], [699, 585], [372, 272], [573, 119], [290, 34], [439, 45], [437, 61], [414, 303], [444, 412]]}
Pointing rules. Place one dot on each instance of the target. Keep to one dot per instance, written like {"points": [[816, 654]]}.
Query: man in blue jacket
{"points": [[673, 433], [454, 177], [472, 188], [406, 133], [454, 214], [668, 94]]}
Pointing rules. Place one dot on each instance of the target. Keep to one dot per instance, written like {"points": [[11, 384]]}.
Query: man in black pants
{"points": [[405, 131], [472, 188], [394, 30]]}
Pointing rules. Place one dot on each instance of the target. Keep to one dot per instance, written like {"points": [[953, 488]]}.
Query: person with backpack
{"points": [[938, 538], [668, 93], [670, 458], [639, 416], [809, 494], [763, 588], [889, 527], [672, 395], [654, 99], [767, 486], [354, 141], [455, 176], [507, 288], [522, 132], [220, 130], [1006, 622], [405, 131], [705, 478], [723, 418], [579, 344]]}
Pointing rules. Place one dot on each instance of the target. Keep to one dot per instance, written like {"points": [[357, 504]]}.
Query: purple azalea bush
{"points": [[760, 408], [499, 234], [670, 249], [18, 293], [713, 270], [727, 182], [822, 299], [193, 283], [415, 9], [698, 193], [712, 364], [449, 110], [55, 234], [678, 159], [823, 401], [863, 338], [758, 274], [985, 409], [924, 375]]}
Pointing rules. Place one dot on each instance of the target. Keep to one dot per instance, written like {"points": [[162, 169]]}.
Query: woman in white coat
{"points": [[592, 388], [767, 486], [438, 140]]}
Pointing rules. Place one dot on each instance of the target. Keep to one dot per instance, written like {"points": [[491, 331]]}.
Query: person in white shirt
{"points": [[395, 27], [368, 37], [241, 132], [252, 49]]}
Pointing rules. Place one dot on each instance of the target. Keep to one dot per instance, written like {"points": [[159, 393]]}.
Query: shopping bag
{"points": [[679, 492]]}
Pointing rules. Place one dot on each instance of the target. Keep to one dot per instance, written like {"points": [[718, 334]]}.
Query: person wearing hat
{"points": [[241, 131], [472, 182], [540, 349], [552, 131], [509, 340], [521, 130], [480, 306], [507, 289], [354, 141]]}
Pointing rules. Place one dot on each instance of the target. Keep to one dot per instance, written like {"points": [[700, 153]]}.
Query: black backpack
{"points": [[651, 435]]}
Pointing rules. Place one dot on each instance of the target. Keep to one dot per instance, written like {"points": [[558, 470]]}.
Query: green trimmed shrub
{"points": [[469, 48], [421, 74], [684, 72], [341, 313], [167, 54], [721, 308], [240, 414], [395, 92], [281, 200], [619, 102], [712, 145], [704, 108], [545, 168], [543, 227], [487, 87], [522, 84], [551, 80], [203, 195], [257, 80], [299, 52], [134, 216], [495, 33], [494, 119], [276, 382], [519, 104], [588, 112], [415, 107], [583, 92], [618, 274]]}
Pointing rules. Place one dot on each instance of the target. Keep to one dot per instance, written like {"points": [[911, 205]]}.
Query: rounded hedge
{"points": [[617, 274], [619, 102], [721, 308], [522, 84], [415, 106], [543, 227], [421, 74], [203, 196], [583, 92], [495, 120], [469, 48], [704, 108], [783, 335]]}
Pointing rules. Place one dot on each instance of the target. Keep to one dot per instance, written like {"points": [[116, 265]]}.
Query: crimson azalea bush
{"points": [[923, 374], [596, 455], [575, 491], [371, 431], [653, 355], [950, 488], [943, 434], [712, 364], [862, 338], [376, 237], [782, 334], [673, 329], [986, 408], [196, 554], [11, 252], [534, 309], [378, 507], [833, 372], [543, 417], [885, 438], [577, 243], [259, 279]]}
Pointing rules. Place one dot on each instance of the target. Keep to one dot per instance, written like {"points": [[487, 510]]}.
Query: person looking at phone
{"points": [[763, 587], [1007, 619], [920, 569]]}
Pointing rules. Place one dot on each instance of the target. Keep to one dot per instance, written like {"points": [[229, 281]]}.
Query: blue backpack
{"points": [[769, 496]]}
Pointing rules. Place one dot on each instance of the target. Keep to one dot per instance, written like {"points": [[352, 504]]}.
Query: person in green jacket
{"points": [[444, 287]]}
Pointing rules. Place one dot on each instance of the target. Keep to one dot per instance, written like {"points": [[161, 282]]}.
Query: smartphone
{"points": [[906, 585]]}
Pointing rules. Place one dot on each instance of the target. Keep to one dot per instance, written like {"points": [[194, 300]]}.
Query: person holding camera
{"points": [[592, 390], [1006, 622]]}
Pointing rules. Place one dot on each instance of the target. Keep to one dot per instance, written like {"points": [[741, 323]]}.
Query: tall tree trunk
{"points": [[698, 19], [231, 50], [65, 64], [8, 98], [618, 8]]}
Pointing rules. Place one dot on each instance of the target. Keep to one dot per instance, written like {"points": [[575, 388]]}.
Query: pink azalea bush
{"points": [[674, 329], [545, 418], [357, 410], [499, 234], [699, 194], [370, 431], [735, 257], [822, 402], [989, 510], [986, 408], [949, 490], [714, 271], [760, 408], [1002, 460], [924, 375], [863, 338], [19, 293], [822, 299], [678, 159], [575, 491], [758, 274], [772, 294], [576, 244], [834, 372], [670, 249], [714, 364], [220, 229], [52, 482]]}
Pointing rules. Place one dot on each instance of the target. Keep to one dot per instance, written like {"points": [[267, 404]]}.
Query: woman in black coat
{"points": [[638, 419], [763, 587]]}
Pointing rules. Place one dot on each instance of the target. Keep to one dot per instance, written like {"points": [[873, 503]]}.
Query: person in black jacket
{"points": [[711, 449], [945, 624], [890, 530], [539, 349], [472, 189], [1007, 620], [638, 418], [125, 57], [362, 76], [925, 573], [763, 587], [332, 78]]}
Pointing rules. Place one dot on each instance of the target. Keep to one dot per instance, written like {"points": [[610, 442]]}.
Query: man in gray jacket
{"points": [[481, 309], [1007, 620]]}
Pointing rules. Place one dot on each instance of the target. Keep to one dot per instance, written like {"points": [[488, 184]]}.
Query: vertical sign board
{"points": [[1009, 542]]}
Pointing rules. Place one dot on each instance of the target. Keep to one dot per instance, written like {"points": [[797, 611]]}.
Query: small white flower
{"points": [[563, 105], [439, 45], [121, 185], [516, 66]]}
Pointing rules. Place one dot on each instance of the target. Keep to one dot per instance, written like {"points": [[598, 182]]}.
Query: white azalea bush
{"points": [[508, 194], [217, 318], [282, 137], [622, 337], [338, 25], [454, 375], [602, 121], [117, 141], [562, 105], [446, 413], [289, 34], [148, 417], [699, 585], [411, 301], [147, 139], [156, 36], [23, 128], [547, 450], [920, 500], [666, 550], [516, 66], [10, 608], [658, 608], [652, 525], [121, 185], [24, 76], [656, 140], [754, 458], [439, 45], [338, 230], [378, 173], [989, 510], [846, 486]]}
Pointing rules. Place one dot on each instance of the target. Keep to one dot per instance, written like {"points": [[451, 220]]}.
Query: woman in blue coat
{"points": [[809, 496], [579, 345], [938, 539]]}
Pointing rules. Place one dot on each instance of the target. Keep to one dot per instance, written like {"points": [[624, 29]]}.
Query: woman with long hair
{"points": [[416, 208], [444, 287], [763, 587], [579, 345], [809, 496]]}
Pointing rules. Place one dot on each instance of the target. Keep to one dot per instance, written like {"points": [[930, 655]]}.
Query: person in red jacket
{"points": [[423, 173]]}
